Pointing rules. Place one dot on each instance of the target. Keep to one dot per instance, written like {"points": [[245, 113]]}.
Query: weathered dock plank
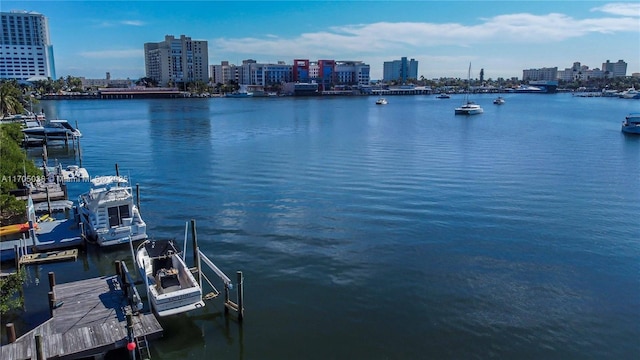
{"points": [[50, 256], [90, 320]]}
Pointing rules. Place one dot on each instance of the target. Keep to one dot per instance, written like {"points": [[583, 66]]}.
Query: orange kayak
{"points": [[14, 229]]}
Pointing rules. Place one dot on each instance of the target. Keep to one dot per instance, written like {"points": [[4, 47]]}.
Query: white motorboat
{"points": [[468, 107], [499, 100], [631, 124], [171, 287], [630, 93], [381, 101], [108, 213], [53, 130], [443, 96]]}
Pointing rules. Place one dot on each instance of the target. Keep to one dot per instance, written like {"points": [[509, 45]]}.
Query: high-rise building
{"points": [[177, 61], [614, 69], [25, 46], [400, 70]]}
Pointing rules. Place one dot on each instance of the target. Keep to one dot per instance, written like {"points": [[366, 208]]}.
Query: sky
{"points": [[91, 38]]}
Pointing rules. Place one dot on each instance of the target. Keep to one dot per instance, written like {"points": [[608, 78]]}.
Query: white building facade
{"points": [[174, 61], [25, 46]]}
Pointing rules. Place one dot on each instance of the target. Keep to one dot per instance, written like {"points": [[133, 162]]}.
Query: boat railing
{"points": [[129, 287]]}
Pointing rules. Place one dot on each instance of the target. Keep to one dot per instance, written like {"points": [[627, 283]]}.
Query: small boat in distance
{"points": [[499, 100], [443, 96], [631, 124], [468, 107], [108, 213], [381, 101], [171, 287]]}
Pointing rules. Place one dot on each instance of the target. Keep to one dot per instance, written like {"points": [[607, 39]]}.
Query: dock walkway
{"points": [[89, 319]]}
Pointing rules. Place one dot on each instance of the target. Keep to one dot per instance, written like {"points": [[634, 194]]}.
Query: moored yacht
{"points": [[468, 107], [108, 213], [53, 130], [171, 287], [631, 124], [381, 101]]}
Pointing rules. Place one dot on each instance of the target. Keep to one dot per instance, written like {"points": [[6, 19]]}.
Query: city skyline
{"points": [[91, 38]]}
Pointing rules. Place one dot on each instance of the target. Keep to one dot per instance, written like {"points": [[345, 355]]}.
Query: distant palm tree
{"points": [[10, 99]]}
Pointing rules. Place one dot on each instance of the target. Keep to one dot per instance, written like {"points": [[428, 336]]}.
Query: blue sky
{"points": [[91, 38]]}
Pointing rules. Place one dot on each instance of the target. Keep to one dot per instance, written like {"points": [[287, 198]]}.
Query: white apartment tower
{"points": [[177, 61], [25, 46]]}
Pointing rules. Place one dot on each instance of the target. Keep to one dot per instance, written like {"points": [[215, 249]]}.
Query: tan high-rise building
{"points": [[175, 62]]}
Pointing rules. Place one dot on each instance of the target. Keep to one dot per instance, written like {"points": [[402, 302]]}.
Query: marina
{"points": [[336, 208]]}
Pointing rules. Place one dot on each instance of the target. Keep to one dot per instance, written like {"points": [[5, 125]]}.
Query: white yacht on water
{"points": [[108, 213], [468, 107]]}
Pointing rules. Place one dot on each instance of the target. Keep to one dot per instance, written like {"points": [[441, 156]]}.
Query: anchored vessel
{"points": [[469, 107], [171, 286], [108, 213], [631, 124]]}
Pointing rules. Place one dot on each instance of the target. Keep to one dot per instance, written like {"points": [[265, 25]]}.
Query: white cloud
{"points": [[132, 22], [108, 24], [365, 39], [113, 54], [624, 9]]}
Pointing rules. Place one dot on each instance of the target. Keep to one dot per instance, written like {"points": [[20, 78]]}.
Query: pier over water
{"points": [[88, 318]]}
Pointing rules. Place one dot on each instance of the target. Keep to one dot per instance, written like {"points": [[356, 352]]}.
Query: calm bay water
{"points": [[384, 232]]}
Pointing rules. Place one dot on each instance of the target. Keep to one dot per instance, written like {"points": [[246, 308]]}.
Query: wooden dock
{"points": [[89, 318], [50, 256]]}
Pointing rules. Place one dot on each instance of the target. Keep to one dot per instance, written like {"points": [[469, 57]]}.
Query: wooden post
{"points": [[39, 349], [118, 268], [17, 257], [240, 294], [52, 280], [11, 333], [52, 302], [130, 337], [79, 154], [138, 197], [117, 171], [226, 298], [123, 279], [48, 199], [196, 256]]}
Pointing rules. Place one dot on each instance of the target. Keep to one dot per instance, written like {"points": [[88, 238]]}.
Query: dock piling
{"points": [[39, 348], [11, 333], [52, 303], [117, 170], [52, 280], [118, 268], [138, 196], [240, 294], [196, 254]]}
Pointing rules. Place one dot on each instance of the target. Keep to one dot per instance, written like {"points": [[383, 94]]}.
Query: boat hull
{"points": [[460, 111], [631, 129]]}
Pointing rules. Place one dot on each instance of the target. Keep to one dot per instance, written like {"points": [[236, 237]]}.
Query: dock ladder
{"points": [[143, 347]]}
